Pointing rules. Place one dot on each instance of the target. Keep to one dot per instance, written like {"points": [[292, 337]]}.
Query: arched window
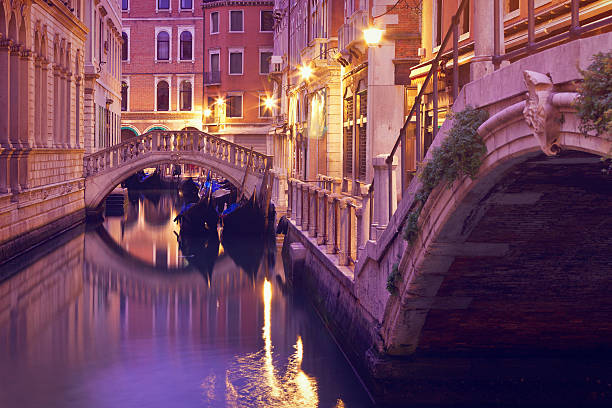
{"points": [[163, 96], [124, 96], [185, 96], [186, 46], [163, 46], [124, 48]]}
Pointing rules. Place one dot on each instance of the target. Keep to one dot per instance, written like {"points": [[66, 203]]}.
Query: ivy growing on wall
{"points": [[393, 279], [594, 103], [460, 154]]}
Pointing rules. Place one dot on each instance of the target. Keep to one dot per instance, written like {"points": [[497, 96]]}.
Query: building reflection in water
{"points": [[82, 325], [147, 230]]}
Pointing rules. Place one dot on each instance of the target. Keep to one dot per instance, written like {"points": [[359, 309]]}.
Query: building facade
{"points": [[102, 74], [326, 66], [42, 47], [238, 42], [162, 66], [199, 66]]}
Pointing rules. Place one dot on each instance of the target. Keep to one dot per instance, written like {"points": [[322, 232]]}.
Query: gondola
{"points": [[189, 191]]}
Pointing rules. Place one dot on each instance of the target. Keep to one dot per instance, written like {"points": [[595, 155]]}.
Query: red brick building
{"points": [[165, 45]]}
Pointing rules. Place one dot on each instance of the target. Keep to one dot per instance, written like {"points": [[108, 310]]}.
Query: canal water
{"points": [[118, 316]]}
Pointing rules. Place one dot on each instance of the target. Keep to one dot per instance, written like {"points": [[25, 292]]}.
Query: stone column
{"points": [[381, 193], [27, 113], [331, 224], [68, 103], [5, 170], [5, 93], [484, 32], [313, 209], [15, 119], [321, 216], [44, 105]]}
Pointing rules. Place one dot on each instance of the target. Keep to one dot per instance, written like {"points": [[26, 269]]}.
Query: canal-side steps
{"points": [[342, 249]]}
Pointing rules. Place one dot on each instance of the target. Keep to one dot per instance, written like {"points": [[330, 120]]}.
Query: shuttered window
{"points": [[348, 136], [362, 98]]}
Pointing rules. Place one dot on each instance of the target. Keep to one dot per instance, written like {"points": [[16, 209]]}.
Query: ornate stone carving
{"points": [[539, 112]]}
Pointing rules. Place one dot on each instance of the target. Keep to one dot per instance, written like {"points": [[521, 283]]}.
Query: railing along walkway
{"points": [[170, 143]]}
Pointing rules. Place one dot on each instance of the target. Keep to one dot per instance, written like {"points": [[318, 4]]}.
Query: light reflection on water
{"points": [[83, 325]]}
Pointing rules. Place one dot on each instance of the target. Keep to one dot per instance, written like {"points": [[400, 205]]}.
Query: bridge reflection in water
{"points": [[87, 324]]}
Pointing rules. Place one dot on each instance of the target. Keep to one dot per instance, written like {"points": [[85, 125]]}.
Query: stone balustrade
{"points": [[156, 142], [334, 221]]}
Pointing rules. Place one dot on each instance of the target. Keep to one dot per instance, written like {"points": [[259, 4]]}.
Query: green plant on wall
{"points": [[393, 279], [594, 104], [459, 155]]}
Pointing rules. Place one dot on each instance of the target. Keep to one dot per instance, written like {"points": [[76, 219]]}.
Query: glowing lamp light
{"points": [[207, 112], [220, 101], [372, 35], [269, 103], [305, 72]]}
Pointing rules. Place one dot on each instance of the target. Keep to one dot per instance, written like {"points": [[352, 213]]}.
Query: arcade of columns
{"points": [[41, 115]]}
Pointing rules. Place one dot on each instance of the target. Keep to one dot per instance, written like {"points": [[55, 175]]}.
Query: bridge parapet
{"points": [[158, 141], [105, 169]]}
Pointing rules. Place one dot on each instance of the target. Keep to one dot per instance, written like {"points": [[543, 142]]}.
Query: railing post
{"points": [[403, 173], [322, 216], [385, 199], [300, 203], [530, 24], [435, 98], [289, 198], [312, 211], [575, 27], [497, 22], [331, 224], [155, 141], [294, 200], [305, 207], [456, 56], [344, 244], [363, 218], [417, 132]]}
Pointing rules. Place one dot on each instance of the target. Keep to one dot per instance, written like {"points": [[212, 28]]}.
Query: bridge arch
{"points": [[464, 269], [104, 170]]}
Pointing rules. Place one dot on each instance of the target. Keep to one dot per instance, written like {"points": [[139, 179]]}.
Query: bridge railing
{"points": [[159, 141]]}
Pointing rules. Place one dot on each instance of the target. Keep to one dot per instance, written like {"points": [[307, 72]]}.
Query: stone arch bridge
{"points": [[510, 272], [105, 169]]}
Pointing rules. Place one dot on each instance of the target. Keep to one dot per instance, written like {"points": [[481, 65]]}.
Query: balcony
{"points": [[212, 78], [350, 35]]}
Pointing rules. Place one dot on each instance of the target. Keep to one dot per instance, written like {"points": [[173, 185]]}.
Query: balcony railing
{"points": [[212, 78], [352, 32]]}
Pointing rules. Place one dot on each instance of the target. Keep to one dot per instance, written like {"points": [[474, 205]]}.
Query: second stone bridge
{"points": [[105, 169]]}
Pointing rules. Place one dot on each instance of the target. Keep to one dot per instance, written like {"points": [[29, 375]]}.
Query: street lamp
{"points": [[220, 101], [305, 72], [269, 103], [372, 36], [207, 112]]}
